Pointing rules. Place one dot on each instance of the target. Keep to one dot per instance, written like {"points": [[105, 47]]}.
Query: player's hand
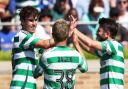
{"points": [[75, 38], [73, 22]]}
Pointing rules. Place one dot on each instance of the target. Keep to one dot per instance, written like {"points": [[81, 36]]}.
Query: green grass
{"points": [[6, 56], [126, 53], [89, 56]]}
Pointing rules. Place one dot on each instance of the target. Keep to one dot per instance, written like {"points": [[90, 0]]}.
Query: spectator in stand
{"points": [[45, 16], [6, 35], [123, 13], [122, 35], [82, 27], [7, 8], [96, 11], [60, 9], [83, 5]]}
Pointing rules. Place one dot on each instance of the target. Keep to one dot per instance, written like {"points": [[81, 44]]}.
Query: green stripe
{"points": [[102, 45], [24, 40], [20, 84], [63, 59], [54, 85], [81, 63], [26, 60], [18, 50], [62, 48], [114, 57], [112, 47], [112, 69], [16, 39], [23, 72], [105, 57], [51, 71], [33, 43], [81, 68], [112, 81], [96, 52], [120, 48], [118, 58]]}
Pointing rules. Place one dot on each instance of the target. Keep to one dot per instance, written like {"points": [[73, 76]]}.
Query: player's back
{"points": [[60, 64]]}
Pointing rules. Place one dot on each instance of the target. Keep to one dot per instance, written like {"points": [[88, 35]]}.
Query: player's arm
{"points": [[83, 63], [45, 43], [88, 41], [86, 48], [76, 43], [85, 39]]}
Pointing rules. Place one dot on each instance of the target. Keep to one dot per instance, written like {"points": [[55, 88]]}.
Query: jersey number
{"points": [[69, 77]]}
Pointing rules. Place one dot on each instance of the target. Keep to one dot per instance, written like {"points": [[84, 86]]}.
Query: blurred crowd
{"points": [[52, 10]]}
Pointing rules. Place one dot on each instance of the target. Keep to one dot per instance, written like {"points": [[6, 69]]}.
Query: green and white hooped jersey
{"points": [[24, 61], [59, 65], [112, 65]]}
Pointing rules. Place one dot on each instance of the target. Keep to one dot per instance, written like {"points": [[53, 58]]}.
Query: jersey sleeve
{"points": [[82, 65], [106, 47], [29, 42]]}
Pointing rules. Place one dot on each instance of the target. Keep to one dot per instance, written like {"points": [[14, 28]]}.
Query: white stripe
{"points": [[116, 44], [22, 78], [112, 86], [15, 87], [112, 75], [63, 66], [111, 62], [25, 66], [54, 77], [120, 53], [26, 54], [27, 44], [60, 53], [21, 37]]}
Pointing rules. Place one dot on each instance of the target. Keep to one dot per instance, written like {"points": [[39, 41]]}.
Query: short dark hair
{"points": [[45, 12], [60, 30], [109, 25], [28, 11]]}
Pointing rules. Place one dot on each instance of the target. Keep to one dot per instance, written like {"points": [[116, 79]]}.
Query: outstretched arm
{"points": [[85, 39], [88, 41], [83, 63], [45, 43], [76, 44]]}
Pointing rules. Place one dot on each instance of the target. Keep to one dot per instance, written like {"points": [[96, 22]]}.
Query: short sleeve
{"points": [[82, 64], [29, 42], [106, 47]]}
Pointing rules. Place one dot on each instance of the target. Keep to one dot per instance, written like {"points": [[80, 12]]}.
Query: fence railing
{"points": [[50, 23]]}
